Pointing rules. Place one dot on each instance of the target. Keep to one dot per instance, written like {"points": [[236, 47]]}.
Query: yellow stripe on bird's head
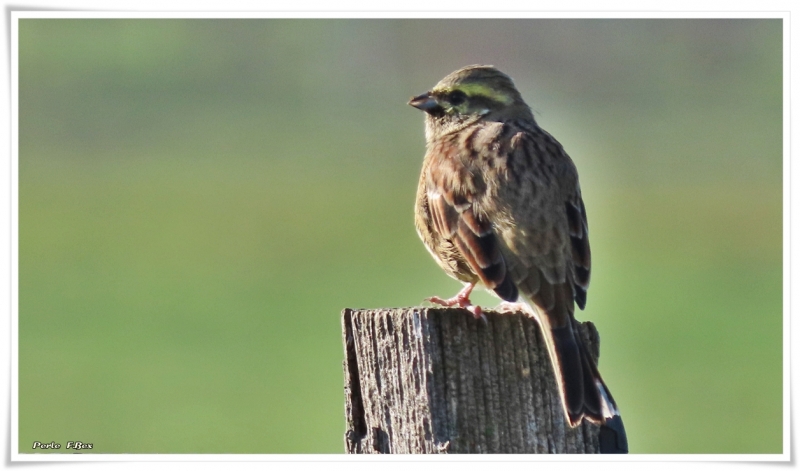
{"points": [[475, 89]]}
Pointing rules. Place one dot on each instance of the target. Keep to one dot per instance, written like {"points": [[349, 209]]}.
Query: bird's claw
{"points": [[510, 308], [458, 300]]}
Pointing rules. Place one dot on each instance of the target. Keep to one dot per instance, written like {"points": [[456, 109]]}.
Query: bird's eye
{"points": [[456, 97]]}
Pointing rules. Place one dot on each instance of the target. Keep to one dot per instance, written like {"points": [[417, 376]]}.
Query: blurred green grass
{"points": [[200, 198]]}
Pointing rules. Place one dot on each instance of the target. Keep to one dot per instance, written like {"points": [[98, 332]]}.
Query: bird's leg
{"points": [[461, 300]]}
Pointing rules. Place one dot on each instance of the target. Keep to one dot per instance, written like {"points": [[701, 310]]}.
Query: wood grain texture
{"points": [[432, 380]]}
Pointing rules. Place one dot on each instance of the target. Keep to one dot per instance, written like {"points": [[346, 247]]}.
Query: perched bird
{"points": [[499, 204]]}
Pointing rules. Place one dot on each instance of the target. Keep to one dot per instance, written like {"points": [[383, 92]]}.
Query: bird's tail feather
{"points": [[582, 390]]}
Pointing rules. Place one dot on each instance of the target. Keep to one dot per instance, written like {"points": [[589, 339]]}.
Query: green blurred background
{"points": [[199, 199]]}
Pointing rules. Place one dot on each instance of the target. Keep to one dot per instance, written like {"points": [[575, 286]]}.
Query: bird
{"points": [[499, 205]]}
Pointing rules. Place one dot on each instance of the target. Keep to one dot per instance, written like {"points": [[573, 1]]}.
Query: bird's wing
{"points": [[452, 194], [579, 244]]}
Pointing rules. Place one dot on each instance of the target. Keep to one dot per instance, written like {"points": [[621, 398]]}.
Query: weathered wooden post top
{"points": [[425, 380]]}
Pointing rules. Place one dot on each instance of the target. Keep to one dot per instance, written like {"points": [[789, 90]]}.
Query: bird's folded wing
{"points": [[549, 263], [455, 219], [579, 244]]}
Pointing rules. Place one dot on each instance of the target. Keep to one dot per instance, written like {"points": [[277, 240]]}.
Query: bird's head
{"points": [[468, 95]]}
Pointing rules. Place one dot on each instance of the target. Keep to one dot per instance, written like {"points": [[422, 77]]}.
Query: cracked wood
{"points": [[433, 380]]}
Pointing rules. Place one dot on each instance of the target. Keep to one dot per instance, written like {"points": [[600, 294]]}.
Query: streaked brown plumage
{"points": [[499, 204]]}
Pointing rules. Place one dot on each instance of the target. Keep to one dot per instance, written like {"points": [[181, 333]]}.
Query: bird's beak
{"points": [[424, 102]]}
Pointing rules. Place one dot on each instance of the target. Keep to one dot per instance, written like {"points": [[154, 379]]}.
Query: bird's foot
{"points": [[460, 300], [510, 308], [457, 301]]}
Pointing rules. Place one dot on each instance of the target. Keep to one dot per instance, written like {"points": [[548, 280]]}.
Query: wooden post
{"points": [[425, 380]]}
